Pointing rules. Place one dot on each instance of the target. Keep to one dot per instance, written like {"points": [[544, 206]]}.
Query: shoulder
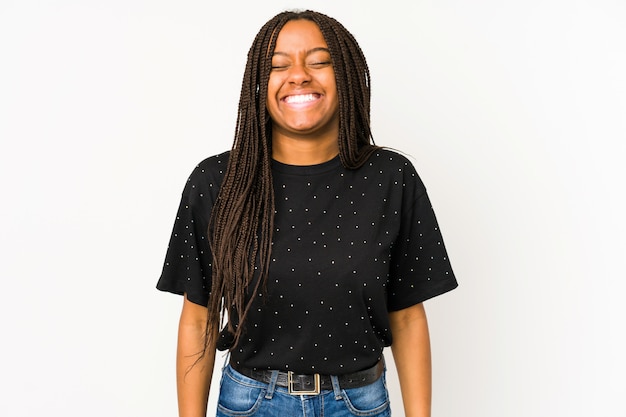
{"points": [[397, 167], [206, 177], [210, 169], [213, 165], [390, 158], [393, 161]]}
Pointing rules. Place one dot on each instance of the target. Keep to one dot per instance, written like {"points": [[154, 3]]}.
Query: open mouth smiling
{"points": [[301, 98]]}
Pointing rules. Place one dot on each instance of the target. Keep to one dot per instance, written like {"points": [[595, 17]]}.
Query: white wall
{"points": [[513, 110]]}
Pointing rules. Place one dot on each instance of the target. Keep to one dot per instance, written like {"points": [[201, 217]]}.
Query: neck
{"points": [[293, 151]]}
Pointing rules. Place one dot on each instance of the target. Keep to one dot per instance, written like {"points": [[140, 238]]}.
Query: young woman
{"points": [[314, 245]]}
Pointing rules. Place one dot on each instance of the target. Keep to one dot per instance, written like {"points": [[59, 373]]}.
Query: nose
{"points": [[299, 74]]}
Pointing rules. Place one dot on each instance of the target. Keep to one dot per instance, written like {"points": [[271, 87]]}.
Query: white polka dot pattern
{"points": [[349, 246]]}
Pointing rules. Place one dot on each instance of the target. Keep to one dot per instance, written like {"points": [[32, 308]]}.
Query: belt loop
{"points": [[336, 389], [272, 385]]}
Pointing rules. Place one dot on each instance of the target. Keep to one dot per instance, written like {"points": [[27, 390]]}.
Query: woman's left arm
{"points": [[411, 354]]}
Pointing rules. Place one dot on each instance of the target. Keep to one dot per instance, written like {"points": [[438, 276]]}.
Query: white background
{"points": [[514, 113]]}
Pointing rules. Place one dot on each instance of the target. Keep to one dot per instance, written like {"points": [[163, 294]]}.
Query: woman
{"points": [[318, 246]]}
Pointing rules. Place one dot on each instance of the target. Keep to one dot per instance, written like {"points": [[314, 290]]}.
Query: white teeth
{"points": [[300, 98]]}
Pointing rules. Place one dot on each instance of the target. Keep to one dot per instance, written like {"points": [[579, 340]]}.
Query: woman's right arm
{"points": [[193, 382]]}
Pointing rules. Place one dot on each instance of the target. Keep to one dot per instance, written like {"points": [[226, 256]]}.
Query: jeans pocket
{"points": [[370, 400], [238, 399]]}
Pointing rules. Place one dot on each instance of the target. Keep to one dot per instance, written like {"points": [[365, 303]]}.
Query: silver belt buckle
{"points": [[292, 391]]}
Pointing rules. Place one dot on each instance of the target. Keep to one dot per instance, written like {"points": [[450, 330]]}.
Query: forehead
{"points": [[300, 35]]}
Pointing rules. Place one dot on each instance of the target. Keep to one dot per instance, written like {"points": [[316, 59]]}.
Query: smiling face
{"points": [[302, 92]]}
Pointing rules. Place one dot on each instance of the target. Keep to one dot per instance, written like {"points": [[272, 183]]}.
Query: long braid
{"points": [[242, 219], [353, 88]]}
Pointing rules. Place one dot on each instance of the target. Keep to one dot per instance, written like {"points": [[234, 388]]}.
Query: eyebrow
{"points": [[309, 52]]}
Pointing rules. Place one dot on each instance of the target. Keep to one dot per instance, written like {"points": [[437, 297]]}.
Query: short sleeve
{"points": [[420, 267], [187, 266]]}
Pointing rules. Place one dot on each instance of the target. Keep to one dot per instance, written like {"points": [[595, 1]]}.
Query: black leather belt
{"points": [[312, 384]]}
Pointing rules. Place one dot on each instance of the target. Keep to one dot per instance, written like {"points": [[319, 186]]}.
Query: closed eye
{"points": [[279, 64], [320, 64]]}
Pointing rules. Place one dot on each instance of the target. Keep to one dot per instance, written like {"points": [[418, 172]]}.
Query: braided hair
{"points": [[242, 219]]}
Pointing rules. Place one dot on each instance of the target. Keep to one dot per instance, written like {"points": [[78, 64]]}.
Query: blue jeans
{"points": [[241, 396]]}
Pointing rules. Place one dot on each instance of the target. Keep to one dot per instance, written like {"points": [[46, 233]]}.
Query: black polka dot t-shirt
{"points": [[348, 247]]}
